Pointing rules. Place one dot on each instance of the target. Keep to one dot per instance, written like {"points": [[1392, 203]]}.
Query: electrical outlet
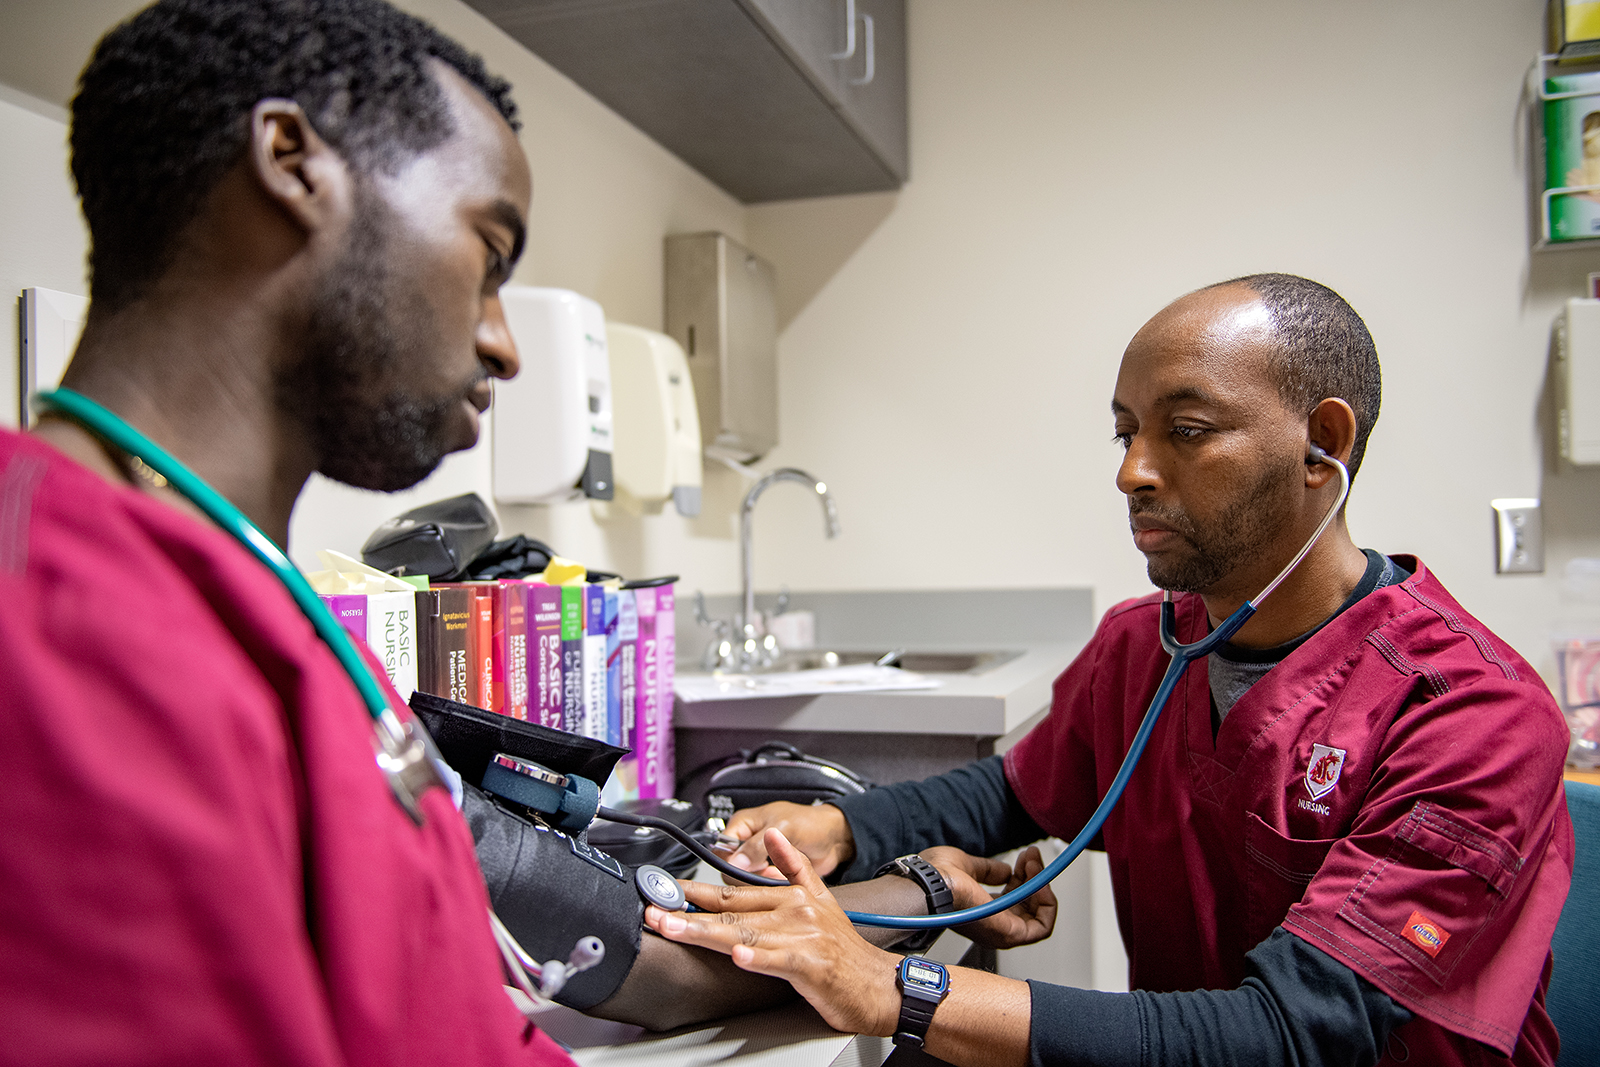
{"points": [[1518, 536]]}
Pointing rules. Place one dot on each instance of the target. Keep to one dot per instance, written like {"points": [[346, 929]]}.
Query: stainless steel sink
{"points": [[919, 662]]}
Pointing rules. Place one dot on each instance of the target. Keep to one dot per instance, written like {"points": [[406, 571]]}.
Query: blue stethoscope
{"points": [[406, 756]]}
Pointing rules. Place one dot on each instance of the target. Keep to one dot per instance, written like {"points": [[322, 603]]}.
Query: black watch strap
{"points": [[917, 1004], [925, 874]]}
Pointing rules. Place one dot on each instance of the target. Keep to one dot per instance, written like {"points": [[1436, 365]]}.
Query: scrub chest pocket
{"points": [[1278, 870], [1440, 884]]}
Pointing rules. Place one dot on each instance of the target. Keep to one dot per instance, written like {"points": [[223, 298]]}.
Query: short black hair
{"points": [[1324, 350], [163, 109]]}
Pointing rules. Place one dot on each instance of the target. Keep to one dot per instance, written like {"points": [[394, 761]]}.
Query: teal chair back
{"points": [[1573, 999]]}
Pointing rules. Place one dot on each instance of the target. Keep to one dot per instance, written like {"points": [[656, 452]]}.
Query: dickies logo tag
{"points": [[1322, 772], [1426, 934]]}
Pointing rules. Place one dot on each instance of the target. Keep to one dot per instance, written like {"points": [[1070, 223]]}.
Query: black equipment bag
{"points": [[779, 771], [439, 540]]}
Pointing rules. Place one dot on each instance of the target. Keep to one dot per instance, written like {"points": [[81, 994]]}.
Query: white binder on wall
{"points": [[1578, 381], [52, 322]]}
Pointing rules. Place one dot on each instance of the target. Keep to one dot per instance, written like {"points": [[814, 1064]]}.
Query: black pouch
{"points": [[438, 539], [468, 738], [779, 771]]}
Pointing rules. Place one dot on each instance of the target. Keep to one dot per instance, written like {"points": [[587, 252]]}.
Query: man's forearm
{"points": [[971, 808], [674, 985]]}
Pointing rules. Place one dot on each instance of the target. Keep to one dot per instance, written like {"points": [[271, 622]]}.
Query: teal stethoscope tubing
{"points": [[1182, 656], [107, 425]]}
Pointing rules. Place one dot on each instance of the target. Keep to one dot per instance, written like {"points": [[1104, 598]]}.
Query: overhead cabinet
{"points": [[770, 99]]}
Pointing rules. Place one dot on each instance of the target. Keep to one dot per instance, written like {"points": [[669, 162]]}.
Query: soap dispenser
{"points": [[552, 423], [657, 423]]}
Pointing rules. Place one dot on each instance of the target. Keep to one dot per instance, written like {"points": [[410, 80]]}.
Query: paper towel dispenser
{"points": [[552, 423], [657, 427], [722, 308]]}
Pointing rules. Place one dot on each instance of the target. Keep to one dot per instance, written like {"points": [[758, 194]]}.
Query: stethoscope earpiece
{"points": [[1315, 454]]}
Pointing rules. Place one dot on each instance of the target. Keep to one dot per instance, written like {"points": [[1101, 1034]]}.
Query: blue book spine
{"points": [[613, 669]]}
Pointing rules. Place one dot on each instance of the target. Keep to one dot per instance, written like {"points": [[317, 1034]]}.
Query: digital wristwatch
{"points": [[923, 984]]}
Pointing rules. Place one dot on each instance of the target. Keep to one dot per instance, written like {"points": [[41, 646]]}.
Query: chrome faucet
{"points": [[753, 650]]}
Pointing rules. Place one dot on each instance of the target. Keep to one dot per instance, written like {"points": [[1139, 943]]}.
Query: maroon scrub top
{"points": [[199, 859], [1390, 792]]}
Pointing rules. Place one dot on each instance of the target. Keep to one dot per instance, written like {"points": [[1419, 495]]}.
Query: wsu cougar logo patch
{"points": [[1322, 773]]}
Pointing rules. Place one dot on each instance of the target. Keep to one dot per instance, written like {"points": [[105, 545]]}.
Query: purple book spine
{"points": [[544, 611], [351, 611], [667, 653]]}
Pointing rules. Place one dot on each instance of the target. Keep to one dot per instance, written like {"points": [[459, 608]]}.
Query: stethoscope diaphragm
{"points": [[660, 888]]}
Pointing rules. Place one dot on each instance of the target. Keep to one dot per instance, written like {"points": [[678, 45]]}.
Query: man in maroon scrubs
{"points": [[300, 212], [1347, 840]]}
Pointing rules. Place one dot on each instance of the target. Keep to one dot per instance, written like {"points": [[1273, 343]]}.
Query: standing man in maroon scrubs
{"points": [[1346, 842]]}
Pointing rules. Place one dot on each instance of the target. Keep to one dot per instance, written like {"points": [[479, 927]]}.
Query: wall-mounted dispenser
{"points": [[51, 325], [552, 423], [657, 425], [722, 308]]}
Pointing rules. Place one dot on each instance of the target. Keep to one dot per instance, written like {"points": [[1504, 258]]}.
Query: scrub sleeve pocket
{"points": [[1440, 884]]}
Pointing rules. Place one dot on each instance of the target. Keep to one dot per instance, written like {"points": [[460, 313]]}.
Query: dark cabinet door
{"points": [[854, 51], [755, 94]]}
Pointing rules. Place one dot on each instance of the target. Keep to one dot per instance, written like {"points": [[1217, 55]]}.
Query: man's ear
{"points": [[295, 166], [1331, 426]]}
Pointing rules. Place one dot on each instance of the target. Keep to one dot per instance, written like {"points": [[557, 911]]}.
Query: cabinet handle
{"points": [[849, 31], [872, 55]]}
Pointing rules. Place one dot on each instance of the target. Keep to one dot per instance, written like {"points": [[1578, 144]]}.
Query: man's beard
{"points": [[1234, 538], [367, 430]]}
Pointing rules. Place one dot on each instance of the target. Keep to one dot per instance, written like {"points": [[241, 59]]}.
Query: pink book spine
{"points": [[646, 740], [544, 655], [667, 653], [515, 647]]}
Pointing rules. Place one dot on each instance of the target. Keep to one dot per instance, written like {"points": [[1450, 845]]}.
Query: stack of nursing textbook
{"points": [[590, 658]]}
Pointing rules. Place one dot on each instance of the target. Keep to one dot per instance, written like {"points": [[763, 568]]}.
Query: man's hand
{"points": [[797, 933], [1021, 924], [820, 832]]}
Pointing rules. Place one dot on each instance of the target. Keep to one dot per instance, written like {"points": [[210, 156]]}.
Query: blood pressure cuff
{"points": [[549, 895]]}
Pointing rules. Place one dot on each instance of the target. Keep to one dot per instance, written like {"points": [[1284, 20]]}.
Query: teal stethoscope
{"points": [[406, 756]]}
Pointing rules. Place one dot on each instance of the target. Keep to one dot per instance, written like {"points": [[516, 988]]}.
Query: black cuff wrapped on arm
{"points": [[971, 808], [549, 898]]}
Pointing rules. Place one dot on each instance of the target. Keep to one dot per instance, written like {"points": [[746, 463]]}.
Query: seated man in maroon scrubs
{"points": [[1346, 842]]}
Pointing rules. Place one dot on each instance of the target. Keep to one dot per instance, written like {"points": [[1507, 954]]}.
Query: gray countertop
{"points": [[992, 703]]}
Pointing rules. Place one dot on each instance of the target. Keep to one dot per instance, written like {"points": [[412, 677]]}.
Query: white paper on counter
{"points": [[861, 678]]}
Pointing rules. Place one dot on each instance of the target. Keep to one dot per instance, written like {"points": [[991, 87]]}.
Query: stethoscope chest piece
{"points": [[660, 888]]}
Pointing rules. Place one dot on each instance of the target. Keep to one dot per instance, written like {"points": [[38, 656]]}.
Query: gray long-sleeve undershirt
{"points": [[1298, 1006]]}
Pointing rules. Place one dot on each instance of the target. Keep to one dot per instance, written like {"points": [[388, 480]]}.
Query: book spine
{"points": [[432, 674], [392, 636], [453, 648], [544, 640], [646, 742], [627, 772], [481, 654], [613, 734], [514, 600], [351, 611], [594, 662], [572, 658], [667, 652]]}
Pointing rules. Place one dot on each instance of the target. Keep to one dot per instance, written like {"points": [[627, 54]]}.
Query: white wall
{"points": [[1075, 166], [604, 197], [41, 236]]}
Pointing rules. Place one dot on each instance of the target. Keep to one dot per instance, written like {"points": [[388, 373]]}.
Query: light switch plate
{"points": [[1518, 536]]}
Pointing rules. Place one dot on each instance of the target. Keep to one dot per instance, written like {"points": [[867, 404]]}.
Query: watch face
{"points": [[921, 974]]}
